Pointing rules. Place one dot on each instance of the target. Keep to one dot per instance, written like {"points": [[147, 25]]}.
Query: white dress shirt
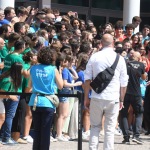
{"points": [[99, 62]]}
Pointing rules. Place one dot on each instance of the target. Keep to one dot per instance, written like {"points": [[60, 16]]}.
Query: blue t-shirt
{"points": [[43, 81], [66, 75], [4, 21], [34, 28], [81, 78]]}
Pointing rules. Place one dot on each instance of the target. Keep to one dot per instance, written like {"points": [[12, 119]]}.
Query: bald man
{"points": [[136, 70], [110, 100]]}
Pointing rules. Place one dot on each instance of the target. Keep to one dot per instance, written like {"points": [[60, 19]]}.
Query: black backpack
{"points": [[102, 80]]}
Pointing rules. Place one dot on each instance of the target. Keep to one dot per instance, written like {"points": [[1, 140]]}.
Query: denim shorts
{"points": [[64, 91]]}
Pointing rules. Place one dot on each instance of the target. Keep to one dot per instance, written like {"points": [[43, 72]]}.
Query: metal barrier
{"points": [[79, 95]]}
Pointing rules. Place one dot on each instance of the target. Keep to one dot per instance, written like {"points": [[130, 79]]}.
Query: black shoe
{"points": [[147, 133], [137, 140], [126, 141], [8, 141]]}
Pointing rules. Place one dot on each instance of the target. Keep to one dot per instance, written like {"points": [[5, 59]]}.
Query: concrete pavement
{"points": [[72, 145]]}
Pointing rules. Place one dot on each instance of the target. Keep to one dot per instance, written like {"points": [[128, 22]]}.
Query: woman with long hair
{"points": [[86, 115], [10, 81]]}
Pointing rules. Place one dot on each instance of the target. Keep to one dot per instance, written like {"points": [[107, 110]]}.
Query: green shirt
{"points": [[11, 59], [25, 80], [25, 51], [5, 51], [6, 85]]}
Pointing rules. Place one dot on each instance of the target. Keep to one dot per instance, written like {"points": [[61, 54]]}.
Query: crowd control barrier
{"points": [[79, 95]]}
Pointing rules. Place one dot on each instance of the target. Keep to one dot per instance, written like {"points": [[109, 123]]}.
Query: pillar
{"points": [[6, 3], [131, 8]]}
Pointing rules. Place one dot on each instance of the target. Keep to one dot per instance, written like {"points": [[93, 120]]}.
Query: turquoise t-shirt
{"points": [[43, 81]]}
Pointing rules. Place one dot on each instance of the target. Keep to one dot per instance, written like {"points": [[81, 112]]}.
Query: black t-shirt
{"points": [[134, 69]]}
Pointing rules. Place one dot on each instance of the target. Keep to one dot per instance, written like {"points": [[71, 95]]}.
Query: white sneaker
{"points": [[28, 138], [66, 136], [85, 135], [62, 139], [118, 132], [101, 132], [53, 139]]}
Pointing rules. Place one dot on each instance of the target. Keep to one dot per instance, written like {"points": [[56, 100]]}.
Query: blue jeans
{"points": [[10, 108], [64, 91], [42, 120]]}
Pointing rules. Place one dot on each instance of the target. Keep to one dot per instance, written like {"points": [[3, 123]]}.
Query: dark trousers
{"points": [[147, 109], [136, 103], [42, 119], [19, 119]]}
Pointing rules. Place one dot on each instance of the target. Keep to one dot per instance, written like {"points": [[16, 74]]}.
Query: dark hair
{"points": [[85, 47], [118, 42], [27, 40], [130, 25], [32, 36], [147, 48], [7, 10], [146, 26], [132, 37], [15, 73], [22, 10], [19, 45], [118, 25], [75, 46], [83, 61], [13, 37], [4, 28], [27, 56], [46, 56], [136, 18], [18, 26]]}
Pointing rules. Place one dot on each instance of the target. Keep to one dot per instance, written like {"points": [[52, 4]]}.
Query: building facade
{"points": [[100, 11]]}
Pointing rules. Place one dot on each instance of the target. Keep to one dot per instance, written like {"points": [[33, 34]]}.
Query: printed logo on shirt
{"points": [[41, 73]]}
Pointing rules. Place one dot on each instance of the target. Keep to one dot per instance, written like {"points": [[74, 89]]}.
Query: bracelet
{"points": [[121, 100]]}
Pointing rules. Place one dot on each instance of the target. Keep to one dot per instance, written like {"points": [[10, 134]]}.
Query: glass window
{"points": [[145, 20], [98, 20], [73, 2], [114, 20], [145, 6], [108, 4]]}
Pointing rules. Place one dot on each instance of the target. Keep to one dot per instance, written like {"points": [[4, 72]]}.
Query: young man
{"points": [[136, 70]]}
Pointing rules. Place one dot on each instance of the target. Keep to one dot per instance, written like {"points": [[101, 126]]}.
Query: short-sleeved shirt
{"points": [[11, 59], [134, 69], [4, 21], [25, 81], [5, 51], [26, 51], [80, 78], [34, 28], [6, 85], [66, 75]]}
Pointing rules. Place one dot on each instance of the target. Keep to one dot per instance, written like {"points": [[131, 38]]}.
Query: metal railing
{"points": [[79, 95]]}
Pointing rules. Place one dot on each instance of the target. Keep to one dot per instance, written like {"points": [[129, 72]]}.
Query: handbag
{"points": [[102, 80]]}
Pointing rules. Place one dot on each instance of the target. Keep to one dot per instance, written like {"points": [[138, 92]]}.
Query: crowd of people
{"points": [[44, 53]]}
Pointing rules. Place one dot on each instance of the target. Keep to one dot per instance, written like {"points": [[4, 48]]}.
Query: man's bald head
{"points": [[137, 56], [107, 40]]}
